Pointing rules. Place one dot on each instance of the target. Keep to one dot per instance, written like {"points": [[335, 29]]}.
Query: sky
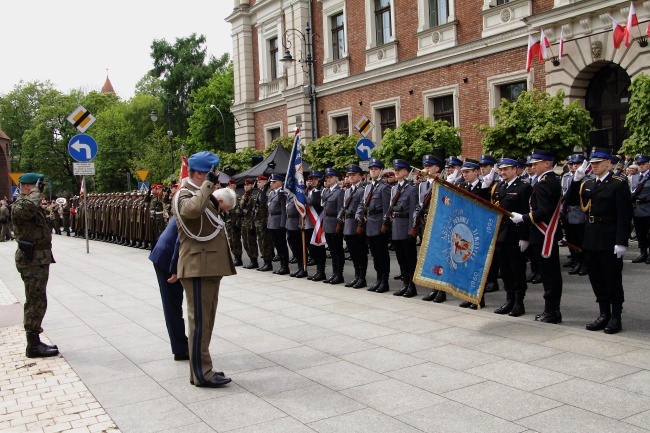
{"points": [[73, 43]]}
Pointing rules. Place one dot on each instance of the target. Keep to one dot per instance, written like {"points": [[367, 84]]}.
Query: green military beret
{"points": [[28, 178]]}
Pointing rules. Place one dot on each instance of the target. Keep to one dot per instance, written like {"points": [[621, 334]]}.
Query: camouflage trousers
{"points": [[234, 237], [35, 279], [249, 238], [264, 240]]}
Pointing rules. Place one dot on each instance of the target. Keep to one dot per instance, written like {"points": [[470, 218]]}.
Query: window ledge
{"points": [[382, 55], [336, 69], [437, 38], [506, 17]]}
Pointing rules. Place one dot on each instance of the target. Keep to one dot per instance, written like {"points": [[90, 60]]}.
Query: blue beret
{"points": [[28, 178], [470, 164], [331, 172], [454, 161], [599, 154], [432, 160], [541, 155], [487, 160], [316, 173], [276, 177], [203, 161], [641, 159], [376, 163], [577, 158], [508, 162], [401, 163], [353, 168]]}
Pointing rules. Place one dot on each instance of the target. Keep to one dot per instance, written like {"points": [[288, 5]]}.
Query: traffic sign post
{"points": [[82, 148], [81, 119], [83, 168], [15, 191], [364, 126], [364, 148]]}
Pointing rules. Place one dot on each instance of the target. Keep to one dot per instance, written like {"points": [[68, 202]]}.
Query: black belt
{"points": [[331, 214], [400, 214], [374, 212], [292, 216], [42, 246], [594, 219], [275, 213]]}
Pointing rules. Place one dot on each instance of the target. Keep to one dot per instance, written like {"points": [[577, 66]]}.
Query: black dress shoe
{"points": [[352, 283], [491, 286], [481, 304], [282, 271], [576, 269], [599, 324], [614, 326], [252, 265], [267, 266], [318, 276], [440, 297], [360, 284], [530, 277], [216, 381], [293, 260], [218, 373], [550, 317], [181, 357], [397, 277], [302, 273], [374, 286], [401, 291], [583, 270], [537, 279], [571, 263], [329, 280], [411, 292], [641, 258], [237, 261], [276, 258], [431, 296], [338, 279], [465, 304], [383, 287], [311, 262], [505, 308], [518, 310]]}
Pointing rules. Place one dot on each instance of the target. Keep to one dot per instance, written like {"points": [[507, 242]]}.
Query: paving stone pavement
{"points": [[304, 357]]}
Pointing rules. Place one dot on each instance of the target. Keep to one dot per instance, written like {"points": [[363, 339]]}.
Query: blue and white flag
{"points": [[295, 181], [458, 243]]}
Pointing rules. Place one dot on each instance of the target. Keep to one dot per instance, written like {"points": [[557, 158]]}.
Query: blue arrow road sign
{"points": [[82, 148], [364, 148]]}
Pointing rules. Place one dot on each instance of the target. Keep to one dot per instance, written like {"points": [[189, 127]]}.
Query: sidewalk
{"points": [[305, 357]]}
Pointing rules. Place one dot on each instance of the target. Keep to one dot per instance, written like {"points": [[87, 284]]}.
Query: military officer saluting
{"points": [[606, 200], [332, 202]]}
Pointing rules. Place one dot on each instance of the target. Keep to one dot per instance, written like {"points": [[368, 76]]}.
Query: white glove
{"points": [[619, 250], [523, 245], [489, 178], [581, 172], [453, 177], [517, 218]]}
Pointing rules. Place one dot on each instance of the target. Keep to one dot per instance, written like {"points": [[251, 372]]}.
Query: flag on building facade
{"points": [[458, 243], [618, 33], [632, 21], [534, 48], [295, 181], [544, 44], [561, 48]]}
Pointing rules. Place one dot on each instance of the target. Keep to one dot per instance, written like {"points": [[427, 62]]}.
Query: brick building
{"points": [[392, 60]]}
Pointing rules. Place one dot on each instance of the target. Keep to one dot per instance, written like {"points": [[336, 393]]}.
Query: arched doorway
{"points": [[608, 101]]}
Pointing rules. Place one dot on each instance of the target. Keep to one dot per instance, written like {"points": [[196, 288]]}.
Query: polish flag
{"points": [[619, 33], [544, 44], [184, 173], [632, 21], [82, 190], [561, 49], [534, 49]]}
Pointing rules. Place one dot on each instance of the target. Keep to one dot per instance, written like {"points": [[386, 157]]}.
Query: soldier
{"points": [[313, 199], [294, 227], [33, 259], [452, 167], [247, 224], [488, 171], [641, 203], [332, 202], [276, 222], [233, 227], [355, 241], [261, 215], [404, 200], [158, 213], [544, 232], [512, 194], [607, 202], [65, 216], [370, 212], [573, 218], [5, 216]]}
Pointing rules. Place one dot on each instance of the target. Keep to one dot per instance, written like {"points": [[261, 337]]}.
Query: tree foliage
{"points": [[418, 137], [537, 120], [337, 151], [638, 118], [284, 141], [236, 162]]}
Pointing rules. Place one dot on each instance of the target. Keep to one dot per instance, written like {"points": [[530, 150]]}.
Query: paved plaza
{"points": [[310, 357]]}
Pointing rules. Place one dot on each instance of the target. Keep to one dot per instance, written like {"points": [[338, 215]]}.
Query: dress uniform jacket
{"points": [[514, 198], [476, 189], [356, 192], [293, 216], [332, 202], [547, 192], [403, 210], [376, 208], [642, 196], [276, 203]]}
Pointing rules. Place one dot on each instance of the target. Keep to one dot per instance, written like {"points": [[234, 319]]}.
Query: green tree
{"points": [[284, 141], [638, 118], [418, 137], [337, 151], [155, 157], [537, 120], [236, 162]]}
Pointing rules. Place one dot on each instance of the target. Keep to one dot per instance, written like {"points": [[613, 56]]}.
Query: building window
{"points": [[274, 134], [342, 124], [387, 119], [273, 56], [502, 2], [438, 12], [443, 108], [511, 91], [382, 21], [338, 37]]}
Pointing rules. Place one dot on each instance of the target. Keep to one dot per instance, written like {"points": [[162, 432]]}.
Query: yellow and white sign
{"points": [[81, 119]]}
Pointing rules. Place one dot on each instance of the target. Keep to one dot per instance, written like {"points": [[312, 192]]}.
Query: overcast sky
{"points": [[73, 43]]}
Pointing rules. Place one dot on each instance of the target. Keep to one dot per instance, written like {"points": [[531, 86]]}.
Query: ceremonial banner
{"points": [[295, 181], [458, 243]]}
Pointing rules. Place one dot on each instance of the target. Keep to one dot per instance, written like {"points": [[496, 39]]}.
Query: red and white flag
{"points": [[632, 21], [544, 45], [82, 190], [618, 32], [184, 173], [561, 48], [534, 50]]}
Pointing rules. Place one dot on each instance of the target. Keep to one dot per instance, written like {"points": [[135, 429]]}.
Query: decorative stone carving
{"points": [[380, 54], [506, 15], [596, 50], [335, 69], [436, 37], [586, 25]]}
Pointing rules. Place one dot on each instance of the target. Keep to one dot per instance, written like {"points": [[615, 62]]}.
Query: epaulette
{"points": [[619, 177]]}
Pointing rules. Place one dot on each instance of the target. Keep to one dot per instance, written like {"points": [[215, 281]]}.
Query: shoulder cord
{"points": [[211, 217], [585, 207]]}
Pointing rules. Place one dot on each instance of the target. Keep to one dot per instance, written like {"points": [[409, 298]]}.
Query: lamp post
{"points": [[214, 107], [307, 65], [170, 134]]}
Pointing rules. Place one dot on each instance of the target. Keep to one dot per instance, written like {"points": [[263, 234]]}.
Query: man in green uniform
{"points": [[261, 215], [248, 233], [233, 227], [33, 258]]}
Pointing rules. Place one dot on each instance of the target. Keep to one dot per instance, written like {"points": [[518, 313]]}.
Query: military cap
{"points": [[432, 160], [507, 161], [376, 163], [388, 174], [454, 161], [576, 158], [521, 162], [640, 159], [401, 163], [203, 161], [29, 178], [262, 178], [615, 159], [353, 168], [540, 155], [470, 164], [487, 160], [156, 186], [249, 182], [599, 154], [276, 178], [175, 186], [315, 174], [329, 171], [232, 182]]}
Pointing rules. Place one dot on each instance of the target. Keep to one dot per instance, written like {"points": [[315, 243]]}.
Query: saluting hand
{"points": [[581, 172]]}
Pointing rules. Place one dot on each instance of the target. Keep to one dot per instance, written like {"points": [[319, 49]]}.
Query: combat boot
{"points": [[376, 285], [641, 258], [361, 281], [284, 266], [302, 272], [411, 291], [404, 289], [320, 272], [383, 286], [354, 281], [36, 349], [238, 261], [252, 265], [268, 266]]}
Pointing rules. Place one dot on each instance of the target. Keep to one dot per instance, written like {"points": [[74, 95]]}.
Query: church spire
{"points": [[108, 87]]}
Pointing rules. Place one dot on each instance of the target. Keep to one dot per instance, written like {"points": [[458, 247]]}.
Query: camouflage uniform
{"points": [[65, 214], [233, 229], [248, 233], [261, 215], [5, 216]]}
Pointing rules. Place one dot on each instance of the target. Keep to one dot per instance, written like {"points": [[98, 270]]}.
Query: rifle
{"points": [[341, 216], [364, 214], [387, 217], [259, 198], [419, 217]]}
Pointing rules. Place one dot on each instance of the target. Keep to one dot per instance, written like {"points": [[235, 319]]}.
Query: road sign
{"points": [[364, 126], [82, 148], [142, 174], [15, 191], [364, 165], [81, 119], [83, 168], [364, 148], [143, 186], [14, 176]]}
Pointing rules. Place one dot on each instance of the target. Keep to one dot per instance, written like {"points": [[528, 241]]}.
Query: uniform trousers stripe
{"points": [[198, 328]]}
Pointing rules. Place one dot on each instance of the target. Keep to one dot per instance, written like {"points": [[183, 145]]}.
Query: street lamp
{"points": [[307, 65], [214, 107], [170, 134]]}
